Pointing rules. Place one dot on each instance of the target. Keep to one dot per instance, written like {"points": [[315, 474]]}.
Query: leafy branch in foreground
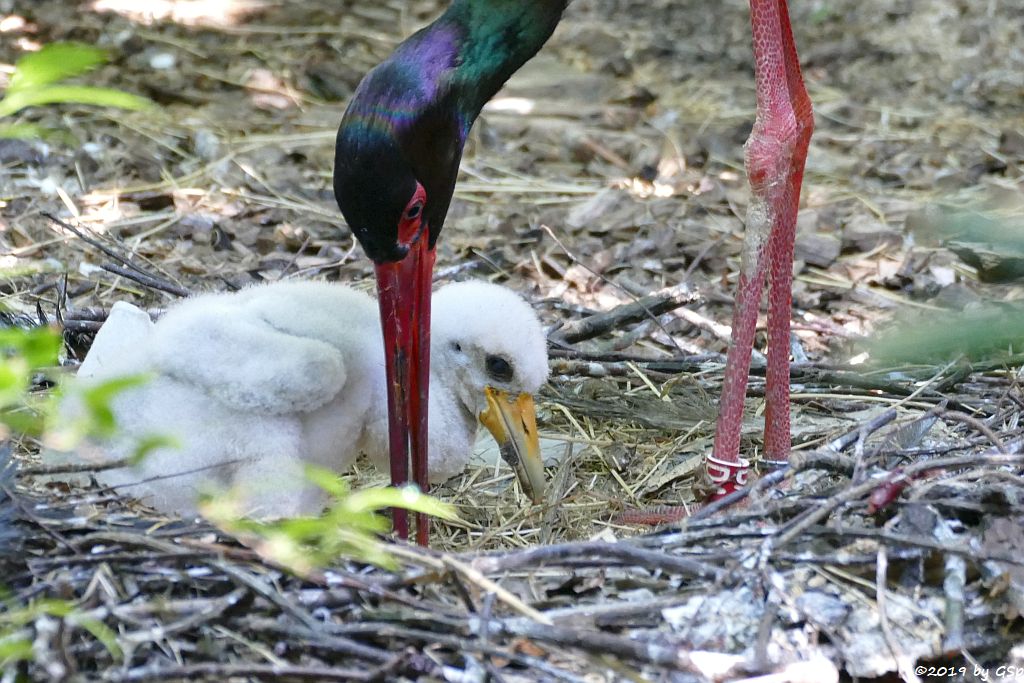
{"points": [[16, 638], [37, 81], [348, 528], [24, 353]]}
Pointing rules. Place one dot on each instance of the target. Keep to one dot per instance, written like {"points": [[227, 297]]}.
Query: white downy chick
{"points": [[256, 384]]}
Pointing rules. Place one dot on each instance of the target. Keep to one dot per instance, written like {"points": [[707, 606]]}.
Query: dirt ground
{"points": [[610, 167]]}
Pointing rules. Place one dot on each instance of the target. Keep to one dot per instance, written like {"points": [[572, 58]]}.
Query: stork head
{"points": [[378, 193]]}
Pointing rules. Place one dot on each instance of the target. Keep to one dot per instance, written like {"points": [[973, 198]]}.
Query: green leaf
{"points": [[407, 497], [74, 94], [55, 62], [22, 420], [97, 401], [104, 634], [39, 346], [150, 443], [327, 480], [14, 381], [22, 131], [14, 648]]}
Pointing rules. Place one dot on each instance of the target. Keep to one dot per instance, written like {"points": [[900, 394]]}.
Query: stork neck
{"points": [[496, 38]]}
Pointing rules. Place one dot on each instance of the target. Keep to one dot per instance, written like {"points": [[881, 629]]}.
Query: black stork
{"points": [[397, 156]]}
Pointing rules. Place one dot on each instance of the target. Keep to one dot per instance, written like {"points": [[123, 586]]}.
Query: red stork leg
{"points": [[775, 155], [404, 298]]}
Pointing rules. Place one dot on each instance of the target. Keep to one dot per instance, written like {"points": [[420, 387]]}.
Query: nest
{"points": [[875, 552]]}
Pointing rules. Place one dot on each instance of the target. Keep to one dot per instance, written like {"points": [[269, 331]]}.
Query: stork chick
{"points": [[255, 385]]}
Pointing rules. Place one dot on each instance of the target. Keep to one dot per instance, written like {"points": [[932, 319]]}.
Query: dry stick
{"points": [[881, 577], [887, 537], [93, 313], [953, 584], [843, 442], [809, 372], [146, 280], [28, 514], [593, 272], [583, 368], [817, 514], [971, 421], [89, 317], [100, 558], [74, 468], [646, 307], [265, 672], [671, 363], [610, 608], [165, 285], [72, 325], [555, 554], [655, 652]]}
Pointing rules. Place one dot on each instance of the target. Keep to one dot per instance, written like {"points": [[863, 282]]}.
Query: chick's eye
{"points": [[499, 369]]}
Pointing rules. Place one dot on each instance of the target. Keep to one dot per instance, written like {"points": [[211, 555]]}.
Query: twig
{"points": [[622, 552], [164, 285], [74, 468], [604, 279], [264, 672], [644, 308], [953, 584], [881, 578], [975, 423], [473, 575], [658, 652], [146, 280]]}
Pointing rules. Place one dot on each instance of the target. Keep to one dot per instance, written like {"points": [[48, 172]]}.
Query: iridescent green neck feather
{"points": [[499, 36]]}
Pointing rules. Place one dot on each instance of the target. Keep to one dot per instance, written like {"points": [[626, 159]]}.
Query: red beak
{"points": [[403, 289]]}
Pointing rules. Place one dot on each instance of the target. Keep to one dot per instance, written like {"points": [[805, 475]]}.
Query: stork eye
{"points": [[456, 347], [498, 368], [413, 211]]}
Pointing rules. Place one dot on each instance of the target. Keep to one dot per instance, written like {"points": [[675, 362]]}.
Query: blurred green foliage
{"points": [[987, 333], [989, 238], [37, 80], [24, 355], [16, 639], [23, 352], [347, 529]]}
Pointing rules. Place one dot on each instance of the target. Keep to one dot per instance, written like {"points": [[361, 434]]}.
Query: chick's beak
{"points": [[513, 424]]}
